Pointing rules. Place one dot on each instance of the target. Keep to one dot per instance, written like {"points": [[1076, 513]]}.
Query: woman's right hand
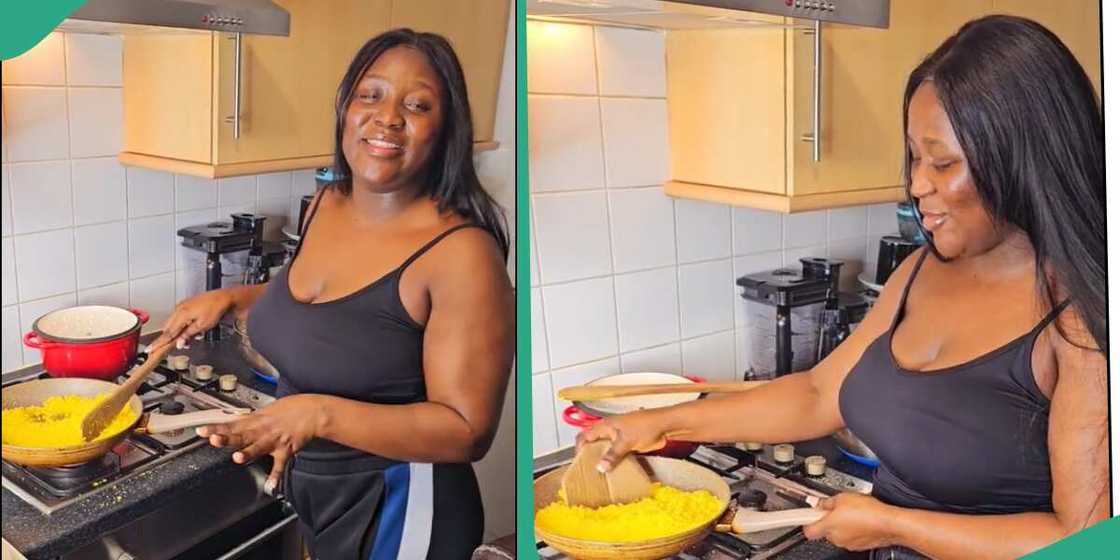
{"points": [[636, 432], [195, 315]]}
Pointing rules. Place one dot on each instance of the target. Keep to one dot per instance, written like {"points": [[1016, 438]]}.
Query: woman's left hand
{"points": [[279, 429], [854, 521]]}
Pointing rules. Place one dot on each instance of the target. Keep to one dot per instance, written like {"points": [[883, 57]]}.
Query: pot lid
{"points": [[623, 405], [86, 323]]}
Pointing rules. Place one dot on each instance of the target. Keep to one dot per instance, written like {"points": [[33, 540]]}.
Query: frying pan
{"points": [[33, 393]]}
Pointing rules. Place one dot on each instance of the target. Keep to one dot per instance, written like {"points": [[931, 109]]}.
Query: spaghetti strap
{"points": [[307, 223], [419, 252], [1050, 317], [906, 291]]}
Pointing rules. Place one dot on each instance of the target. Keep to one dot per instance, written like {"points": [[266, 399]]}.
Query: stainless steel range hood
{"points": [[138, 16], [701, 14]]}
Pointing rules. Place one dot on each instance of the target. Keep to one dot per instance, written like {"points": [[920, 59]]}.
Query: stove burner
{"points": [[70, 480]]}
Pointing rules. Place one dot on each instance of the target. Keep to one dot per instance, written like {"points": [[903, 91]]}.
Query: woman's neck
{"points": [[373, 206], [1012, 255]]}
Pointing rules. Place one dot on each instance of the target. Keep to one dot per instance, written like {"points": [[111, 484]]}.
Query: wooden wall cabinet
{"points": [[179, 87], [740, 102]]}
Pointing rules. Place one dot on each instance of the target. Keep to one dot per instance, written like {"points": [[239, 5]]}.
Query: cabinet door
{"points": [[1076, 22], [863, 78], [477, 30], [288, 84]]}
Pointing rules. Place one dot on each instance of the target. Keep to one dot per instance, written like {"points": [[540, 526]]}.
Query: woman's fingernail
{"points": [[238, 457], [201, 432], [603, 467], [269, 486]]}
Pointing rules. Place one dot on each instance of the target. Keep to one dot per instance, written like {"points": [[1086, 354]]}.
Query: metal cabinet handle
{"points": [[815, 136], [246, 546], [236, 118]]}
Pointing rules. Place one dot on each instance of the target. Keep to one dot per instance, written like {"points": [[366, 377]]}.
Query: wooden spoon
{"points": [[597, 392], [102, 415], [584, 485]]}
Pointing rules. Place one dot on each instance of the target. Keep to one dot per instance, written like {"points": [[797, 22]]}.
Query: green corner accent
{"points": [[526, 542], [24, 24], [1099, 541]]}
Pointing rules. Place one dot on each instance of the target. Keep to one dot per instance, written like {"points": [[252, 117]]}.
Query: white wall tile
{"points": [[274, 185], [559, 58], [572, 235], [711, 357], [96, 120], [577, 375], [8, 286], [40, 65], [102, 254], [113, 294], [41, 196], [882, 219], [847, 223], [791, 258], [630, 61], [93, 59], [539, 338], [5, 200], [275, 211], [149, 192], [642, 232], [581, 321], [565, 143], [156, 296], [36, 123], [233, 191], [751, 264], [706, 304], [189, 283], [660, 359], [99, 190], [703, 230], [756, 231], [534, 266], [45, 264], [151, 243], [303, 182], [635, 141], [31, 311], [742, 352], [13, 341], [544, 416], [193, 193], [184, 257], [852, 252], [871, 259], [647, 308], [806, 228]]}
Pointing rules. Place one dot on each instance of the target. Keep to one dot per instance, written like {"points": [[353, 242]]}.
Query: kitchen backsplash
{"points": [[79, 228], [625, 278]]}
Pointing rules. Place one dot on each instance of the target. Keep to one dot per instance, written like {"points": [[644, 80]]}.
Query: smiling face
{"points": [[941, 183], [393, 120]]}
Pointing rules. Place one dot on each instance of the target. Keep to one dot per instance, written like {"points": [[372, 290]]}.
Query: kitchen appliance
{"points": [[696, 14], [124, 16], [244, 233], [893, 249], [758, 477], [240, 517], [96, 341]]}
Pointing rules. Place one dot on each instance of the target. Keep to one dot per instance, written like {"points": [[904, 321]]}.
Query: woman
{"points": [[979, 377], [392, 326]]}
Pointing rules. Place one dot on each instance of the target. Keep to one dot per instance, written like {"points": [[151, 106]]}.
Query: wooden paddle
{"points": [[586, 393], [102, 415], [584, 485]]}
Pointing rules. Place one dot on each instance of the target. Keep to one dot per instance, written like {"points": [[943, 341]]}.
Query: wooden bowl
{"points": [[671, 472]]}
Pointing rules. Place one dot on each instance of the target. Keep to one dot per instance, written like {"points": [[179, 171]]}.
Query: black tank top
{"points": [[362, 346], [965, 439]]}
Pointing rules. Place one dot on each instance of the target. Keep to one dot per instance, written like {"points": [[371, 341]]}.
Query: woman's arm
{"points": [[795, 407], [1079, 467], [201, 312]]}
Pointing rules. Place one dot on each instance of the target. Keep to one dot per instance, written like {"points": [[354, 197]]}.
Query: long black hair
{"points": [[1030, 125], [450, 177]]}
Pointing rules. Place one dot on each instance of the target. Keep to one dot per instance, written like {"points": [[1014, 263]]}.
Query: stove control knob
{"points": [[179, 362], [815, 465], [228, 382], [171, 408], [753, 446], [783, 453], [204, 372]]}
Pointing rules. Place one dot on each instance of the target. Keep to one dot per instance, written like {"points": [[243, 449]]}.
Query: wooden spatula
{"points": [[597, 392], [752, 521], [102, 415], [584, 485]]}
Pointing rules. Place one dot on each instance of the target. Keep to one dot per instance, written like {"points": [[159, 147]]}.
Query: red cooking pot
{"points": [[577, 418], [95, 341]]}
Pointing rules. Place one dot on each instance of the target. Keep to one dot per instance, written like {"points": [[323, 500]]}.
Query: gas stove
{"points": [[757, 475], [166, 391]]}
